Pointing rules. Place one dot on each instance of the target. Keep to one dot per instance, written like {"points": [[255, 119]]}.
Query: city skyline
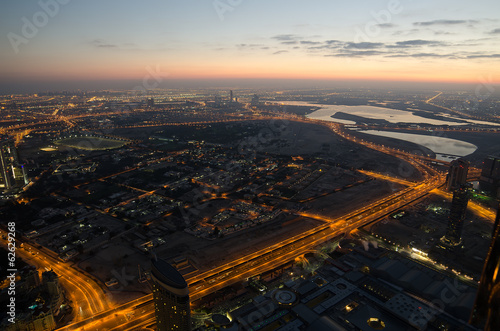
{"points": [[250, 165], [52, 44], [242, 194]]}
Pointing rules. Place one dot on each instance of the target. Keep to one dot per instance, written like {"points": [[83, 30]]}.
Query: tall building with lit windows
{"points": [[12, 173], [490, 175], [486, 310], [453, 236], [457, 174], [171, 297]]}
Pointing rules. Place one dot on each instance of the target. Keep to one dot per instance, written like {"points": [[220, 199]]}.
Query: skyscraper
{"points": [[171, 297], [457, 174], [490, 175], [456, 217], [491, 167], [231, 96], [486, 311], [11, 172]]}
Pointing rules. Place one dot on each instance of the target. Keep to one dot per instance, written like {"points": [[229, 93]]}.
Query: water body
{"points": [[380, 113], [445, 148]]}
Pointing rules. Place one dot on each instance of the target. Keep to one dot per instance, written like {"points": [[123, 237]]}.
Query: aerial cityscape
{"points": [[250, 165]]}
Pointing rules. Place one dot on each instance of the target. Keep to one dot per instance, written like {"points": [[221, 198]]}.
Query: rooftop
{"points": [[168, 274]]}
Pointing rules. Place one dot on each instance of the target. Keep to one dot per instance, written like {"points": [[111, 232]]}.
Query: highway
{"points": [[267, 259], [476, 208], [386, 177], [288, 250], [84, 292]]}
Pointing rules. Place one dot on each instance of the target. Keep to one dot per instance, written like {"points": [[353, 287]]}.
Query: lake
{"points": [[381, 113], [446, 149]]}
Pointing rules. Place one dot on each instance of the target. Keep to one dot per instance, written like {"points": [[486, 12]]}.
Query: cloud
{"points": [[322, 47], [475, 55], [425, 49], [441, 33], [331, 42], [351, 53], [417, 55], [496, 31], [405, 32], [249, 46], [285, 37], [309, 42], [478, 39], [386, 25], [445, 22], [416, 42], [484, 56], [334, 44], [364, 45], [99, 43]]}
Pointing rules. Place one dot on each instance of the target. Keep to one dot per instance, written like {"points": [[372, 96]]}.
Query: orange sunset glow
{"points": [[397, 41]]}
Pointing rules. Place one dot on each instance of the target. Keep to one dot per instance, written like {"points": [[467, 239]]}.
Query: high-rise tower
{"points": [[490, 175], [453, 236], [171, 297], [11, 172], [486, 310], [457, 174]]}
